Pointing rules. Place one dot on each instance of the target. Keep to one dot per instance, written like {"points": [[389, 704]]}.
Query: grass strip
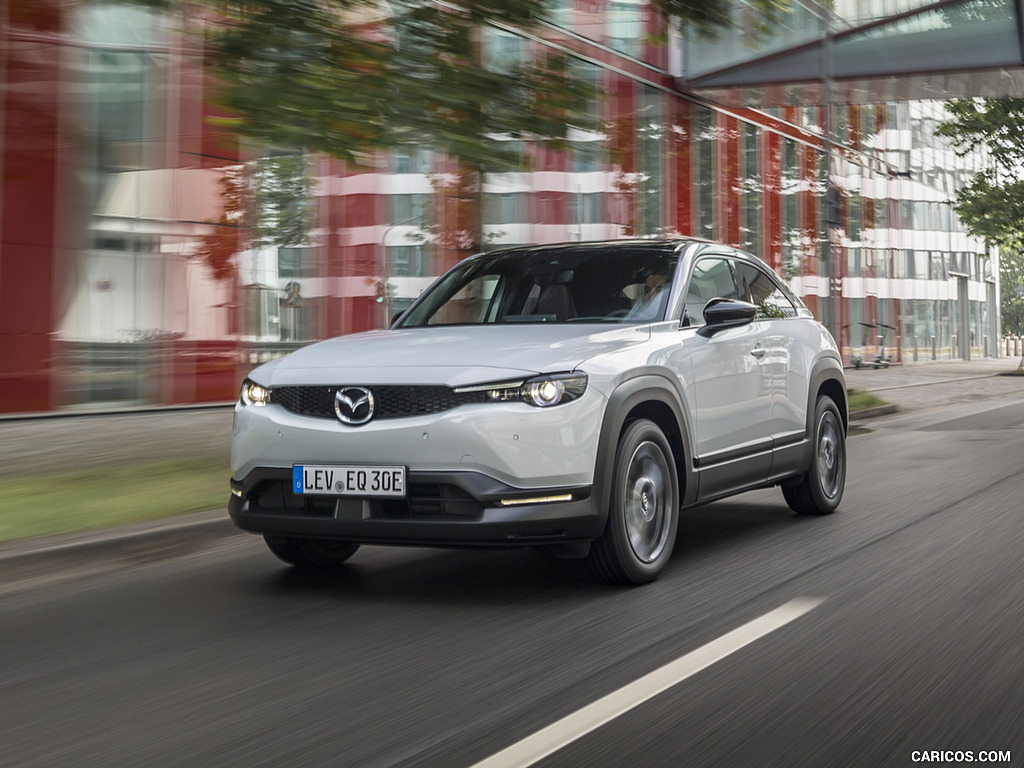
{"points": [[858, 400], [82, 500]]}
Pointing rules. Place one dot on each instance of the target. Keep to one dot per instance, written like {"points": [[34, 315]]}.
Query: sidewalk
{"points": [[59, 441], [926, 385], [81, 440]]}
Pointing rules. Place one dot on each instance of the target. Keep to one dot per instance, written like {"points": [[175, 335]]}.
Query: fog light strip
{"points": [[535, 500]]}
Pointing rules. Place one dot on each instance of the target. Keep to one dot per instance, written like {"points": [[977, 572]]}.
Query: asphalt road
{"points": [[411, 657]]}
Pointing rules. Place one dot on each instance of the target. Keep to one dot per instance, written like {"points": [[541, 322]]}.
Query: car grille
{"points": [[391, 402], [424, 501]]}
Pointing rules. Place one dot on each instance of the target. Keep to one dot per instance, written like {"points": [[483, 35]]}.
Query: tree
{"points": [[350, 77], [266, 203], [991, 205], [1011, 276]]}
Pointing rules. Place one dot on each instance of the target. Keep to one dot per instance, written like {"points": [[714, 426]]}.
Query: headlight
{"points": [[543, 391], [254, 394]]}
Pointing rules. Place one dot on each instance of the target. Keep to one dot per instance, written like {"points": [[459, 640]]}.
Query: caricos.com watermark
{"points": [[959, 756]]}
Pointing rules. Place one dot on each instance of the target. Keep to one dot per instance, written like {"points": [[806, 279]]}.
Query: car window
{"points": [[607, 284], [712, 278], [764, 292], [472, 303]]}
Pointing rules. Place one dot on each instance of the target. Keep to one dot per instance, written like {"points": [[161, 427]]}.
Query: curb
{"points": [[129, 410], [114, 547], [874, 413]]}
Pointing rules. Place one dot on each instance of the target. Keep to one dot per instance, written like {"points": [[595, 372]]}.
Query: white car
{"points": [[574, 396]]}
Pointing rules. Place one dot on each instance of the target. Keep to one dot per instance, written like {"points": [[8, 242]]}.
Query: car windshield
{"points": [[607, 283]]}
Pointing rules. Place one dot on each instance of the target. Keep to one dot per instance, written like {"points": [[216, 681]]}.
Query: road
{"points": [[911, 640]]}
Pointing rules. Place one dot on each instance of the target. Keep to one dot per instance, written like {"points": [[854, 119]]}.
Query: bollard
{"points": [[935, 352]]}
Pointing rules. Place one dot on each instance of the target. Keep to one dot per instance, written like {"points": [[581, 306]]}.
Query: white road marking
{"points": [[572, 727]]}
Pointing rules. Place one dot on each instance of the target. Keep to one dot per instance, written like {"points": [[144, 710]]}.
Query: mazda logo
{"points": [[354, 405]]}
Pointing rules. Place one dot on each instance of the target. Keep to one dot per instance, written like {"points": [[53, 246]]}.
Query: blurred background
{"points": [[189, 189]]}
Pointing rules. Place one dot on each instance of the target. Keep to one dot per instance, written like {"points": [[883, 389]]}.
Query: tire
{"points": [[643, 513], [317, 554], [820, 489]]}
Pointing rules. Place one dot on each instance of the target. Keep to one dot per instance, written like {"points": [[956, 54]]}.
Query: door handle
{"points": [[759, 352]]}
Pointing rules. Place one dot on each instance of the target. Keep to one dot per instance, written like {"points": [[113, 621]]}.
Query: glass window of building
{"points": [[505, 207], [502, 51], [412, 158], [854, 217], [297, 262], [650, 138], [750, 181], [260, 306], [841, 123], [626, 26], [407, 209], [562, 13], [587, 151], [408, 260], [586, 208], [791, 235], [703, 133]]}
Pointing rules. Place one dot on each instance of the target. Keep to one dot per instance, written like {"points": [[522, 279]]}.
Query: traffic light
{"points": [[385, 291]]}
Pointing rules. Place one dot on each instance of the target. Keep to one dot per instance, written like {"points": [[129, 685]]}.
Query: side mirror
{"points": [[720, 314]]}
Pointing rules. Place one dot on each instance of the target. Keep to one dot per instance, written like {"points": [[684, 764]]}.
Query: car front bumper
{"points": [[462, 509]]}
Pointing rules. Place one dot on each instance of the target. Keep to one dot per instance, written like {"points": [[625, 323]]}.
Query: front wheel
{"points": [[820, 489], [644, 511], [310, 553]]}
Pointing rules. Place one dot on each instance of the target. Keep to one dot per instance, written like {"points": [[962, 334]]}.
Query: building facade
{"points": [[129, 273]]}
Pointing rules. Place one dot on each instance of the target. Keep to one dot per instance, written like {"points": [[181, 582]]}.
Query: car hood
{"points": [[452, 356]]}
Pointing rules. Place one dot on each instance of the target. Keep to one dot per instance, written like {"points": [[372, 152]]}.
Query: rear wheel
{"points": [[820, 489], [310, 553], [644, 511]]}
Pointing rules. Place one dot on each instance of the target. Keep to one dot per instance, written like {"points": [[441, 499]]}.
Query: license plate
{"points": [[387, 482]]}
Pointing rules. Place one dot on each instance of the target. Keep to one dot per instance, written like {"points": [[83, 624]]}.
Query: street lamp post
{"points": [[1019, 290], [384, 293]]}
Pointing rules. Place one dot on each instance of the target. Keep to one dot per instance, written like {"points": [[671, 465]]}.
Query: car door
{"points": [[732, 385], [775, 318]]}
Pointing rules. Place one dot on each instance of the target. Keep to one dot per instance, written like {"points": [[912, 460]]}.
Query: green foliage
{"points": [[343, 79], [267, 202], [709, 17], [349, 77], [296, 76], [346, 77], [1011, 268], [991, 209], [283, 188], [39, 505], [992, 204], [859, 400]]}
